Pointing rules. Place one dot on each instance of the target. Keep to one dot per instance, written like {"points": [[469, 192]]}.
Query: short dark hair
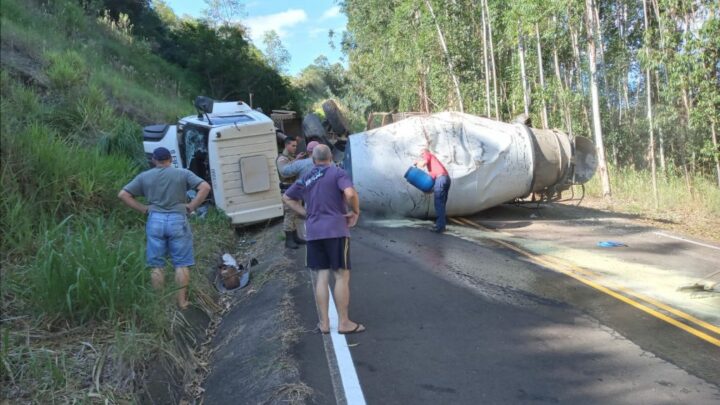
{"points": [[161, 154], [289, 139]]}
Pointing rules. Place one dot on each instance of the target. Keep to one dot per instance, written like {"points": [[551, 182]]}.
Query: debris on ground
{"points": [[611, 244]]}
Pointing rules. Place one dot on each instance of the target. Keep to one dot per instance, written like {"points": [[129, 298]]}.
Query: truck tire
{"points": [[335, 117], [312, 127]]}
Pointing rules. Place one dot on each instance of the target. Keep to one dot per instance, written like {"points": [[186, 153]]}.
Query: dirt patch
{"points": [[26, 68]]}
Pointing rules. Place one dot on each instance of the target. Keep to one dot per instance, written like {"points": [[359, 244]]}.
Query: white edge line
{"points": [[686, 240], [350, 382]]}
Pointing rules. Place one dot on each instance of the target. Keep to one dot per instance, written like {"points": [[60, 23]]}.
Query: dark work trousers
{"points": [[441, 190]]}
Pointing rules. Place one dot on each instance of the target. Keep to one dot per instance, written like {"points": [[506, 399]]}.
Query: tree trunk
{"points": [[544, 115], [602, 164], [715, 146], [661, 143], [486, 63], [576, 68], [492, 59], [521, 53], [601, 48], [648, 87], [441, 37], [563, 98]]}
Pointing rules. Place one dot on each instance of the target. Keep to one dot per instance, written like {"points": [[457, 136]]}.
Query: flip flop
{"points": [[356, 330], [318, 329]]}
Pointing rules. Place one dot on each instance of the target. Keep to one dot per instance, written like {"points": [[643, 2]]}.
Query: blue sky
{"points": [[302, 26]]}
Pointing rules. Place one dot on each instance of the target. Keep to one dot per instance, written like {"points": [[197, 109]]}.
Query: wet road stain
{"points": [[440, 390]]}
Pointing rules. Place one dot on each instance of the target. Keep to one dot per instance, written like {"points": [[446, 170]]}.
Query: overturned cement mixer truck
{"points": [[233, 147], [489, 163]]}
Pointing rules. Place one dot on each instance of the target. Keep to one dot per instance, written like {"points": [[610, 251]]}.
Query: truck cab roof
{"points": [[224, 113]]}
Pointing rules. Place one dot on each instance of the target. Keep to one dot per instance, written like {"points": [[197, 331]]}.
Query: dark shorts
{"points": [[333, 254]]}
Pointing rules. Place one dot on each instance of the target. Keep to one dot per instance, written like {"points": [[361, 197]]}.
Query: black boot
{"points": [[298, 239], [290, 240]]}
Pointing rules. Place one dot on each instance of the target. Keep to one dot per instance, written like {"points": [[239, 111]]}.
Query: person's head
{"points": [[161, 156], [322, 154], [311, 146], [290, 144]]}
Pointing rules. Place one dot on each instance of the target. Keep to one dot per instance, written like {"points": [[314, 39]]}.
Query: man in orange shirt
{"points": [[441, 188]]}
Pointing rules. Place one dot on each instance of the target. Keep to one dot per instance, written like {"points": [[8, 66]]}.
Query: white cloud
{"points": [[316, 32], [279, 22], [332, 12]]}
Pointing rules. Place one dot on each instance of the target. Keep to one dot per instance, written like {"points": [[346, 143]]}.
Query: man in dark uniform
{"points": [[290, 218]]}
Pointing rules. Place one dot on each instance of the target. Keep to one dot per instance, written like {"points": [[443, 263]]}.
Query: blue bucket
{"points": [[420, 179]]}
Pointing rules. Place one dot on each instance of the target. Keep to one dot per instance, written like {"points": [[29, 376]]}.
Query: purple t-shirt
{"points": [[322, 190]]}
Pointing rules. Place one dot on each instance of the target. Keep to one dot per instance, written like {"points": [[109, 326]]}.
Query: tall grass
{"points": [[92, 270], [72, 258], [677, 195]]}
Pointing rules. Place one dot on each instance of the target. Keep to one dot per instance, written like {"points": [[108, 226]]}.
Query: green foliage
{"points": [[278, 57], [230, 67], [321, 81], [75, 92], [403, 67], [679, 196], [67, 70], [92, 270]]}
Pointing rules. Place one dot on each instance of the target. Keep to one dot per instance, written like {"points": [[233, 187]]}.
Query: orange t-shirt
{"points": [[434, 167]]}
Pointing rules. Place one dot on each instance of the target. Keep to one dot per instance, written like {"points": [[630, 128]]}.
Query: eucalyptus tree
{"points": [[597, 126], [277, 55], [648, 90]]}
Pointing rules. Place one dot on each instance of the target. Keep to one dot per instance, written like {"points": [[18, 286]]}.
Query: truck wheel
{"points": [[337, 120], [312, 127]]}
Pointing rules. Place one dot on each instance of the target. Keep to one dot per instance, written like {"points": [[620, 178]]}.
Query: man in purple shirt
{"points": [[328, 192]]}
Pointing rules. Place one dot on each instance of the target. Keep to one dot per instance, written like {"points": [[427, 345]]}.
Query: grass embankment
{"points": [[688, 205], [79, 318]]}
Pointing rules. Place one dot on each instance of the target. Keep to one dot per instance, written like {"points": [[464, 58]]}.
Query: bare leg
{"points": [[157, 278], [342, 301], [322, 296], [182, 279]]}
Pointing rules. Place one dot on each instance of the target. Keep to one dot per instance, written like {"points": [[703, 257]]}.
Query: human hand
{"points": [[189, 208], [351, 218]]}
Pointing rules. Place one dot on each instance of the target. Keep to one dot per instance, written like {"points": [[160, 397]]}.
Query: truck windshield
{"points": [[195, 148], [230, 119]]}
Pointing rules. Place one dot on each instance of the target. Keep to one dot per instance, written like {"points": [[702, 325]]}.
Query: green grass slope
{"points": [[79, 318]]}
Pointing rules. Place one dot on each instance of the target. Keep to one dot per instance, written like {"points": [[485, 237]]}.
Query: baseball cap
{"points": [[312, 146], [161, 154]]}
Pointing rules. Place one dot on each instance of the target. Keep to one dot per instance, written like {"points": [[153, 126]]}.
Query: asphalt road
{"points": [[460, 318]]}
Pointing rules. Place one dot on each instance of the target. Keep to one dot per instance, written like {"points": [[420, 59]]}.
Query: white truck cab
{"points": [[232, 147]]}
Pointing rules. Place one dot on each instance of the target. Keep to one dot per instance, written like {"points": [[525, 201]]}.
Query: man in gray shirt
{"points": [[165, 189]]}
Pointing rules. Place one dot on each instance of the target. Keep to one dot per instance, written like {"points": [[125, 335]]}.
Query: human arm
{"points": [[291, 169], [353, 201], [203, 189], [423, 161], [293, 198], [131, 202], [295, 205]]}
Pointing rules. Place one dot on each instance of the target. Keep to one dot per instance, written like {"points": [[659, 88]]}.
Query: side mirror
{"points": [[204, 105]]}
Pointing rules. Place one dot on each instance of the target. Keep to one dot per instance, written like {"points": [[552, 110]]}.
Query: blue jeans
{"points": [[441, 190], [169, 232]]}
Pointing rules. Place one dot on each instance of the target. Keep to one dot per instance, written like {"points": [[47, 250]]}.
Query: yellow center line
{"points": [[615, 286], [560, 266]]}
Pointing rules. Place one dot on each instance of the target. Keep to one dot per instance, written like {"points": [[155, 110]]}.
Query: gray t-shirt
{"points": [[164, 187], [298, 168]]}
